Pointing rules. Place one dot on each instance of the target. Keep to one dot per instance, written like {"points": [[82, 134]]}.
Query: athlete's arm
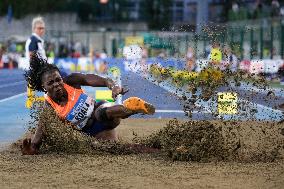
{"points": [[31, 146], [77, 80]]}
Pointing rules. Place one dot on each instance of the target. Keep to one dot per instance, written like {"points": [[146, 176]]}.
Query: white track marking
{"points": [[13, 97], [179, 111], [12, 84]]}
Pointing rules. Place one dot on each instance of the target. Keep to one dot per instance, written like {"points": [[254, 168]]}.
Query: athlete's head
{"points": [[43, 76], [38, 26]]}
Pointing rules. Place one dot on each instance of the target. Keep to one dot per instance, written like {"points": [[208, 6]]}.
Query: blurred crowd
{"points": [[10, 52], [223, 57]]}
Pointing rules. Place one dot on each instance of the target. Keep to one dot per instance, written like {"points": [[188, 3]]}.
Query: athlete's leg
{"points": [[131, 106], [108, 116]]}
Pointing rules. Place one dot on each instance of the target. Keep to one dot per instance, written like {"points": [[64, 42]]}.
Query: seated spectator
{"points": [[190, 60]]}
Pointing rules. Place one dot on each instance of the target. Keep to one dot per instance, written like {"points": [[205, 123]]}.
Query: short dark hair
{"points": [[38, 66]]}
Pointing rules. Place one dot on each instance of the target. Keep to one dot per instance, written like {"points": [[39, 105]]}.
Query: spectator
{"points": [[63, 51], [78, 47], [12, 47], [235, 7], [275, 8], [101, 66], [6, 59], [35, 43], [282, 11], [103, 54], [215, 55], [258, 10], [234, 13], [190, 60], [230, 59], [1, 54], [75, 54]]}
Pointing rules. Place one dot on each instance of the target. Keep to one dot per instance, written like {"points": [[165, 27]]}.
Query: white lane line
{"points": [[13, 97], [169, 111], [12, 84], [119, 97], [179, 111]]}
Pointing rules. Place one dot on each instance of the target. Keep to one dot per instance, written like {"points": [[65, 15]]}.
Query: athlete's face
{"points": [[53, 84], [39, 29]]}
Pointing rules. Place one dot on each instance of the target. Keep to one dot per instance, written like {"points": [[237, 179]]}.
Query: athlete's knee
{"points": [[101, 114]]}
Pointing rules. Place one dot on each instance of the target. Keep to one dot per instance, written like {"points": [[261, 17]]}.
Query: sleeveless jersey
{"points": [[78, 108]]}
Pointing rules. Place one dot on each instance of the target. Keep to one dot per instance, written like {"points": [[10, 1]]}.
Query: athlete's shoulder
{"points": [[74, 80]]}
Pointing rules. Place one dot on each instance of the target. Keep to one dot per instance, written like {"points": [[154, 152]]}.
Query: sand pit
{"points": [[54, 170], [206, 141]]}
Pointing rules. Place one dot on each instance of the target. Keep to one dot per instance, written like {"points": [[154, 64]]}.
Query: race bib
{"points": [[81, 112]]}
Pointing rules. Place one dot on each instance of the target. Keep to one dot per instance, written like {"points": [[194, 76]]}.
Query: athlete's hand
{"points": [[27, 148], [116, 90]]}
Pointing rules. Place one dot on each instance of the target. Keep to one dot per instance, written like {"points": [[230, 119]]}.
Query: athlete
{"points": [[70, 103]]}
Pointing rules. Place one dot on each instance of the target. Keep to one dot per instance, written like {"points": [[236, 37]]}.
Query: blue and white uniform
{"points": [[35, 43]]}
